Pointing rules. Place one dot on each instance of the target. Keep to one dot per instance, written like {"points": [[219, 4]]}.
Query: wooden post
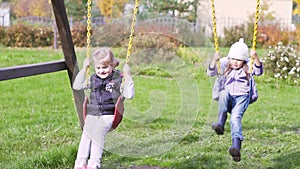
{"points": [[69, 52]]}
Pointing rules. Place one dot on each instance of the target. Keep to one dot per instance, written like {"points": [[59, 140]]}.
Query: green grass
{"points": [[19, 56], [167, 124]]}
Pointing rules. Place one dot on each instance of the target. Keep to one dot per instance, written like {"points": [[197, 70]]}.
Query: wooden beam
{"points": [[69, 52], [32, 69]]}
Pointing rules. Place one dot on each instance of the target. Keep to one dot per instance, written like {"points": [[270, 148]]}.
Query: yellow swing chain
{"points": [[135, 10], [215, 32], [88, 35], [254, 33], [89, 15], [136, 6]]}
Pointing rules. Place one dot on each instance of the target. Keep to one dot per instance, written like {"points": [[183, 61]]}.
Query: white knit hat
{"points": [[239, 50]]}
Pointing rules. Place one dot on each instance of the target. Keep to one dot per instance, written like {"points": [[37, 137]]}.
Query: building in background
{"points": [[235, 12], [4, 14]]}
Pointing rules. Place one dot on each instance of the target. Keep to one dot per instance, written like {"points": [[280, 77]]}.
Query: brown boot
{"points": [[219, 126], [234, 150]]}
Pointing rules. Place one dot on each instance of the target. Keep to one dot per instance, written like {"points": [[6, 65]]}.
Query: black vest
{"points": [[105, 92]]}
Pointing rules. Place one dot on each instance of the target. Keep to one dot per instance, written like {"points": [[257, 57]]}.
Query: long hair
{"points": [[245, 67]]}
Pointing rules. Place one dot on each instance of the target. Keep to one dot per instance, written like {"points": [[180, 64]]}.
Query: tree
{"points": [[76, 9], [265, 15], [180, 8], [106, 7], [118, 8], [111, 8], [23, 8]]}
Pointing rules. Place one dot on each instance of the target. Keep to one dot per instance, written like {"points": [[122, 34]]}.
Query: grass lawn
{"points": [[166, 125]]}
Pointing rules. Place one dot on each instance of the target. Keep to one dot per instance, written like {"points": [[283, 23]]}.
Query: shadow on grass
{"points": [[202, 161], [279, 128], [197, 162], [287, 161], [111, 161]]}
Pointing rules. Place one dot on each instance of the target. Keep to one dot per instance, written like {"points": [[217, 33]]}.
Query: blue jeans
{"points": [[236, 105]]}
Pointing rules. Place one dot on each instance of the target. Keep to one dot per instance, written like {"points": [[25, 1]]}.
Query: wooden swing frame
{"points": [[69, 63]]}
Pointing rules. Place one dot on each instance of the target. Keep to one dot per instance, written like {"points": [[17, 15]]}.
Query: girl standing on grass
{"points": [[105, 86], [238, 91]]}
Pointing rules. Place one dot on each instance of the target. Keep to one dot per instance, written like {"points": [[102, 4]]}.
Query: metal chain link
{"points": [[133, 23], [88, 35], [255, 33], [132, 30], [89, 15], [215, 33]]}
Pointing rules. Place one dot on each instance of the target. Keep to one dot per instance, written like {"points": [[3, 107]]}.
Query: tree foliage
{"points": [[76, 9], [180, 8], [111, 8], [106, 7], [23, 8]]}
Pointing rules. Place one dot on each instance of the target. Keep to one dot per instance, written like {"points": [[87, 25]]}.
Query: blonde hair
{"points": [[105, 56]]}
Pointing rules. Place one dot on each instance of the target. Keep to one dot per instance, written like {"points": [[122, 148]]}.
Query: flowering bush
{"points": [[283, 62]]}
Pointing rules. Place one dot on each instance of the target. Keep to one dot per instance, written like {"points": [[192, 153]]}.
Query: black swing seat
{"points": [[118, 113]]}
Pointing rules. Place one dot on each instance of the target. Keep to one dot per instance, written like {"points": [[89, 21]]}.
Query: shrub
{"points": [[79, 32], [42, 36], [19, 35], [282, 62], [271, 34], [234, 33], [2, 35], [267, 35], [110, 34], [297, 36], [188, 55], [22, 35], [152, 47]]}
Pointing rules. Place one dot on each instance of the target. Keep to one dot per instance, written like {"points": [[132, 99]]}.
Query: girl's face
{"points": [[103, 70], [236, 63]]}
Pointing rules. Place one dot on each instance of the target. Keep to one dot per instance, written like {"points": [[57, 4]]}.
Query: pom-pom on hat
{"points": [[239, 50]]}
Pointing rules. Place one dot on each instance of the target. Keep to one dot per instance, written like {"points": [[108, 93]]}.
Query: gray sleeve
{"points": [[80, 82], [128, 90], [214, 71]]}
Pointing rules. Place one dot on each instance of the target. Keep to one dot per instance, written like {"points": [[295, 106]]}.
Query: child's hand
{"points": [[216, 56], [86, 62], [214, 60], [253, 54], [126, 70]]}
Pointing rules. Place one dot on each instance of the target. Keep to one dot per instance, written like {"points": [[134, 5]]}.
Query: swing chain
{"points": [[88, 35], [215, 33], [133, 22], [255, 33], [132, 30], [89, 15]]}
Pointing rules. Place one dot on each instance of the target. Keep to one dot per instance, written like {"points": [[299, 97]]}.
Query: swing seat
{"points": [[118, 113]]}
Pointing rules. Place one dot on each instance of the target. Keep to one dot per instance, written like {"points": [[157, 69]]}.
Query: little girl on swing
{"points": [[238, 90], [105, 86]]}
